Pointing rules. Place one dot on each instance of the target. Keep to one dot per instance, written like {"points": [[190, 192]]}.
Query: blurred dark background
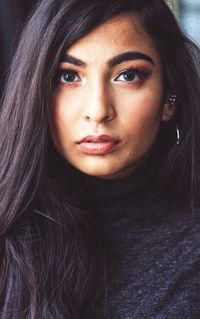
{"points": [[13, 14]]}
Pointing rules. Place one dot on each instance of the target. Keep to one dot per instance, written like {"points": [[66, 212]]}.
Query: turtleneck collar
{"points": [[87, 192], [141, 178], [107, 193]]}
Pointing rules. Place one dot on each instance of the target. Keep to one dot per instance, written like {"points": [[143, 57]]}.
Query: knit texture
{"points": [[153, 250]]}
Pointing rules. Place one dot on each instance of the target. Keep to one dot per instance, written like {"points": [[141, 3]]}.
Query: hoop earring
{"points": [[172, 102], [177, 134]]}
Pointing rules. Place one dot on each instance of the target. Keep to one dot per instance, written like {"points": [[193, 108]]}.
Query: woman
{"points": [[100, 165]]}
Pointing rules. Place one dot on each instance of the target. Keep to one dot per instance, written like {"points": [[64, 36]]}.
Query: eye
{"points": [[68, 76], [133, 75]]}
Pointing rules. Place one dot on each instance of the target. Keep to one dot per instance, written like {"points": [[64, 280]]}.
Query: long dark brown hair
{"points": [[52, 259]]}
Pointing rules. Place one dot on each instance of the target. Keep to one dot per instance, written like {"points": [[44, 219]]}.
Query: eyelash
{"points": [[141, 74], [63, 73]]}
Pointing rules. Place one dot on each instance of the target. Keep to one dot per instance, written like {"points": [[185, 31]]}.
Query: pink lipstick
{"points": [[98, 145]]}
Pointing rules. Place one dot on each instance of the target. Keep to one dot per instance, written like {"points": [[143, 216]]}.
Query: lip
{"points": [[98, 145], [98, 139]]}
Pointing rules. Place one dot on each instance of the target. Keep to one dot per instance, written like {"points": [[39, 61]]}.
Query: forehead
{"points": [[121, 33]]}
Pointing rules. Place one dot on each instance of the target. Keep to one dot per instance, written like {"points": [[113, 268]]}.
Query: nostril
{"points": [[99, 116], [107, 118]]}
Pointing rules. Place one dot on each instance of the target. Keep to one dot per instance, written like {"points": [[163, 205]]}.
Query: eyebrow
{"points": [[127, 56], [72, 60]]}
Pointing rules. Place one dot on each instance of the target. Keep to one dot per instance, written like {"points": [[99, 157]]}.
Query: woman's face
{"points": [[108, 101]]}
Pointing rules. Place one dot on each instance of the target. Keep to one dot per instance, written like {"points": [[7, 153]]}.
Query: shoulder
{"points": [[171, 229]]}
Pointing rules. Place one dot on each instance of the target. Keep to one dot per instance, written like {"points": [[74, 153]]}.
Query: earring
{"points": [[172, 100], [177, 135]]}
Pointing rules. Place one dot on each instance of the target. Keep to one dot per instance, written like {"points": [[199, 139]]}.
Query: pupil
{"points": [[69, 76], [129, 76]]}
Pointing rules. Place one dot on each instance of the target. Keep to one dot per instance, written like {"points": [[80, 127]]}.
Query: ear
{"points": [[168, 111]]}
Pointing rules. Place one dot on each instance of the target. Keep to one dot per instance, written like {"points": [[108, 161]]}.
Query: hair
{"points": [[52, 255]]}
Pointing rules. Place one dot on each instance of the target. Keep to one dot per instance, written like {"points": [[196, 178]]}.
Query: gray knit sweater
{"points": [[153, 251]]}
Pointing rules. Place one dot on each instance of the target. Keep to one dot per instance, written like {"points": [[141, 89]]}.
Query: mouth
{"points": [[98, 139], [98, 145]]}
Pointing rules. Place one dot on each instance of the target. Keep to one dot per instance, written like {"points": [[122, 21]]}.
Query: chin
{"points": [[106, 173], [104, 168], [99, 172]]}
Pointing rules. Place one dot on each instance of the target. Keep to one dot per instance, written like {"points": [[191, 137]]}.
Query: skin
{"points": [[97, 98]]}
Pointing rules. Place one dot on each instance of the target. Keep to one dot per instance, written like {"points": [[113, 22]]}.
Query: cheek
{"points": [[63, 108], [61, 121], [142, 113], [141, 122]]}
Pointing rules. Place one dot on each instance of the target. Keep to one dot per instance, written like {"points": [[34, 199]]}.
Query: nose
{"points": [[99, 106]]}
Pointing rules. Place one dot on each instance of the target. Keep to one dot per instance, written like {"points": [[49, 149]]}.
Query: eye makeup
{"points": [[130, 75], [68, 76], [133, 75]]}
